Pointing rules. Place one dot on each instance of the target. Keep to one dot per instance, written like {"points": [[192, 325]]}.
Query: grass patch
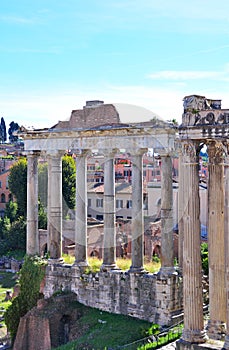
{"points": [[163, 339], [123, 264], [104, 330], [7, 282]]}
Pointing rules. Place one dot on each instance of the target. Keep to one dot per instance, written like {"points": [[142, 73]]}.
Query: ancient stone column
{"points": [[32, 243], [167, 263], [216, 258], [55, 203], [81, 211], [137, 241], [109, 249], [192, 275], [181, 201], [226, 240]]}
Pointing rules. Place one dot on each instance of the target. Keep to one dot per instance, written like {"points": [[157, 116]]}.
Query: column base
{"points": [[55, 261], [108, 267], [165, 272], [81, 265], [216, 330], [139, 270], [191, 336], [226, 343]]}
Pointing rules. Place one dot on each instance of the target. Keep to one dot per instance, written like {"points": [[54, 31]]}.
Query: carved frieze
{"points": [[200, 118]]}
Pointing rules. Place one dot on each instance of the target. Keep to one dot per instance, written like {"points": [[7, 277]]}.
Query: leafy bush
{"points": [[204, 257], [30, 278], [155, 258]]}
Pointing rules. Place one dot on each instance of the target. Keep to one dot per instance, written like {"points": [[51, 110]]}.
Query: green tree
{"points": [[43, 183], [11, 211], [16, 236], [30, 277], [4, 227], [68, 182], [3, 130], [42, 216], [18, 184], [204, 257], [12, 129]]}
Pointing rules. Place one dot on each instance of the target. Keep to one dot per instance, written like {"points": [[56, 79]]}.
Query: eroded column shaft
{"points": [[181, 203], [137, 214], [109, 255], [192, 275], [167, 263], [81, 210], [55, 202], [217, 292], [32, 243], [226, 240]]}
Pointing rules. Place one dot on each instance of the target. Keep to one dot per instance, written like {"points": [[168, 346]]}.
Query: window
{"points": [[91, 167], [10, 197], [99, 203], [89, 202], [119, 203], [99, 217], [0, 184], [3, 198], [129, 204], [7, 185]]}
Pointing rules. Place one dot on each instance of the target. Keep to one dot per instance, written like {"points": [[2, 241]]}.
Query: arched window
{"points": [[3, 198], [10, 197]]}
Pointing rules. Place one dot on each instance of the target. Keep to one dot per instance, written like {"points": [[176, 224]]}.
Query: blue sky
{"points": [[56, 54]]}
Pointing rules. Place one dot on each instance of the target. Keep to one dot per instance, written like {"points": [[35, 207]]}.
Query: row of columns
{"points": [[55, 210], [190, 233]]}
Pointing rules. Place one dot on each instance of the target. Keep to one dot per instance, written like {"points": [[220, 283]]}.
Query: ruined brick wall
{"points": [[52, 323], [145, 296]]}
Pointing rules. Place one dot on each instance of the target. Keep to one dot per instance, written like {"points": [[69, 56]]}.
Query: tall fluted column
{"points": [[32, 243], [137, 248], [181, 201], [217, 291], [167, 263], [109, 255], [55, 203], [81, 211], [192, 276], [226, 240]]}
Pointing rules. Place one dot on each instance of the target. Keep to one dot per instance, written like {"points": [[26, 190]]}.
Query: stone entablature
{"points": [[204, 119], [161, 139]]}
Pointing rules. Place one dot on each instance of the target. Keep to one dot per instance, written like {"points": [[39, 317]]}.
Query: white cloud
{"points": [[45, 109], [184, 75], [191, 75], [16, 19]]}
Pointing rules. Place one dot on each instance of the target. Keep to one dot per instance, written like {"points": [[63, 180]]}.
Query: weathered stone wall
{"points": [[146, 296]]}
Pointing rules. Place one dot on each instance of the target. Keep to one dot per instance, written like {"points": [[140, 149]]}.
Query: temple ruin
{"points": [[154, 297]]}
